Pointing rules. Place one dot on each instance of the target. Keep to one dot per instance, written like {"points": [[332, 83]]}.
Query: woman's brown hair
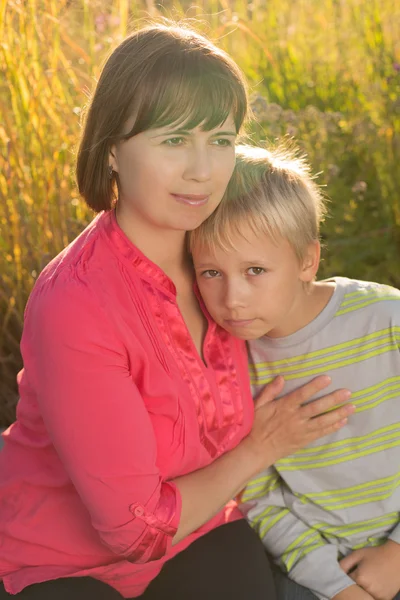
{"points": [[162, 75]]}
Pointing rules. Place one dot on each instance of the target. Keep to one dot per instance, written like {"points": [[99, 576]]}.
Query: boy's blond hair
{"points": [[274, 192]]}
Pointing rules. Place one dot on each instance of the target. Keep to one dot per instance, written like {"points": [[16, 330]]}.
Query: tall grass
{"points": [[327, 73]]}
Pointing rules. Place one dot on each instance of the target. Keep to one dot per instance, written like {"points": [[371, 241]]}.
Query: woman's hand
{"points": [[285, 425], [280, 428]]}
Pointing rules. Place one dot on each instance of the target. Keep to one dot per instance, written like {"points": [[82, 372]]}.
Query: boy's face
{"points": [[257, 288]]}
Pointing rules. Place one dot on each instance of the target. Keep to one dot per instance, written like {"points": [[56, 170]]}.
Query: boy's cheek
{"points": [[211, 303]]}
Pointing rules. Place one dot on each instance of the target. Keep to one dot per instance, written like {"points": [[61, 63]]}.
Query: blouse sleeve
{"points": [[97, 420]]}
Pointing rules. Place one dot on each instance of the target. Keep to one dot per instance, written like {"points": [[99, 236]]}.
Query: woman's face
{"points": [[172, 178]]}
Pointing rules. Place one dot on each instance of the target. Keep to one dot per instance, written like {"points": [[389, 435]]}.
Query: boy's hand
{"points": [[353, 592], [376, 570]]}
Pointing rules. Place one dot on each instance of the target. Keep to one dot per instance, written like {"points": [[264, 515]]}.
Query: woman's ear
{"points": [[311, 262], [112, 158]]}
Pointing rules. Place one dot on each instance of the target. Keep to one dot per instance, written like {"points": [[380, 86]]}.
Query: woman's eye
{"points": [[223, 142], [175, 141], [256, 271], [210, 274]]}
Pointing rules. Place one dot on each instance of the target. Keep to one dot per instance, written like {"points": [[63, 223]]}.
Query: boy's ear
{"points": [[311, 262]]}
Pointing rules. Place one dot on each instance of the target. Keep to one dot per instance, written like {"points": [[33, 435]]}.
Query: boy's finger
{"points": [[349, 562]]}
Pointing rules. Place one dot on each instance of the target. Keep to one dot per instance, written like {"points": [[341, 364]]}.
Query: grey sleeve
{"points": [[300, 551]]}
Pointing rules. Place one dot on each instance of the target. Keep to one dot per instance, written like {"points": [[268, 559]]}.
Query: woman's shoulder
{"points": [[73, 255], [73, 301], [72, 279]]}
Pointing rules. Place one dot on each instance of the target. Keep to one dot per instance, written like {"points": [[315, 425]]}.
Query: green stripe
{"points": [[345, 499], [383, 292], [269, 522], [263, 480], [269, 510], [360, 501], [336, 348], [323, 366], [355, 488], [291, 558], [305, 542], [362, 305], [295, 544], [371, 542], [260, 491], [358, 526], [327, 463], [348, 442], [367, 404], [351, 448], [353, 297], [311, 549]]}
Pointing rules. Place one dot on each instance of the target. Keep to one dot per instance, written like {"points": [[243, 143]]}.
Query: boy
{"points": [[329, 515]]}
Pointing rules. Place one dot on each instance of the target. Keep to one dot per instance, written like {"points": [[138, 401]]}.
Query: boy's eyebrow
{"points": [[250, 263], [205, 265], [189, 132]]}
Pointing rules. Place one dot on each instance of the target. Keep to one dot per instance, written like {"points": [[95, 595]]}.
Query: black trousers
{"points": [[228, 562]]}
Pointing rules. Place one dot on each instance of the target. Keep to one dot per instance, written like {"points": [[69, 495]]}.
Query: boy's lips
{"points": [[239, 322], [192, 199]]}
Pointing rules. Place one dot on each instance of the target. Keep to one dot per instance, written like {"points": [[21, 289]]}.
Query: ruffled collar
{"points": [[130, 254]]}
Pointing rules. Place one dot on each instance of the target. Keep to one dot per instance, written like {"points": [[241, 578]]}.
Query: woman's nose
{"points": [[199, 165]]}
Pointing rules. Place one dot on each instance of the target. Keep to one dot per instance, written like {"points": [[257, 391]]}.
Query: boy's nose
{"points": [[234, 297]]}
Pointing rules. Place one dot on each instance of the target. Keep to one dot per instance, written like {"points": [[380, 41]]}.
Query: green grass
{"points": [[327, 73]]}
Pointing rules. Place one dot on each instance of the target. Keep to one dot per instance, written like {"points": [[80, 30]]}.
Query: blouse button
{"points": [[139, 511]]}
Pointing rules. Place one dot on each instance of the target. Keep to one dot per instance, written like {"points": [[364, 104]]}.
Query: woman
{"points": [[135, 425]]}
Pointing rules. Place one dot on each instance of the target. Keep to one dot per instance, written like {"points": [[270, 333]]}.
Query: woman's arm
{"points": [[280, 428], [103, 436], [97, 420]]}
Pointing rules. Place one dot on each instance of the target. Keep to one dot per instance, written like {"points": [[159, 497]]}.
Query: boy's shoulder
{"points": [[366, 287], [367, 296]]}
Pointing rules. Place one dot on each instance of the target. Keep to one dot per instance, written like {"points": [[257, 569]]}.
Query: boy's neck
{"points": [[310, 305], [319, 296]]}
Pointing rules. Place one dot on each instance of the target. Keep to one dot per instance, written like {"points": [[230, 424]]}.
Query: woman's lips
{"points": [[191, 199]]}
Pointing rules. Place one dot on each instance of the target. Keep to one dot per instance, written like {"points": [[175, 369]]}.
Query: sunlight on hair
{"points": [[272, 191]]}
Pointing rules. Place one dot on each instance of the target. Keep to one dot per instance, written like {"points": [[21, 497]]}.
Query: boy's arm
{"points": [[375, 569], [354, 592], [298, 549]]}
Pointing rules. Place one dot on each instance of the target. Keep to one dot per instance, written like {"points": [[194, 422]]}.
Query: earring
{"points": [[110, 171]]}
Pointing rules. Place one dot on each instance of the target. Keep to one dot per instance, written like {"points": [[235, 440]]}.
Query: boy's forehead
{"points": [[237, 249], [240, 247]]}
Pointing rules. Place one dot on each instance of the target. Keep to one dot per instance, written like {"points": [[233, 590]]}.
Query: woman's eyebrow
{"points": [[190, 132], [233, 133]]}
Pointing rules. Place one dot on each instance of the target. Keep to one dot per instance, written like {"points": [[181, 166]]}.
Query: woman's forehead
{"points": [[187, 126]]}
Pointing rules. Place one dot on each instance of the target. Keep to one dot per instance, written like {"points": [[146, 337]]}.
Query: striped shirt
{"points": [[342, 492]]}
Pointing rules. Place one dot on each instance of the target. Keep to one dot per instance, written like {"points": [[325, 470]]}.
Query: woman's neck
{"points": [[166, 248]]}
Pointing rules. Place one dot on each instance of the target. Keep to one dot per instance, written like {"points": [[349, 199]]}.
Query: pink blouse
{"points": [[115, 402]]}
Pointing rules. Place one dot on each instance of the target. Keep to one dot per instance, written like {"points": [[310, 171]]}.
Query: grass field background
{"points": [[324, 72]]}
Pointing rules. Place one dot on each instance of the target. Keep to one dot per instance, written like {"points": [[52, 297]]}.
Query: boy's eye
{"points": [[175, 141], [210, 274], [255, 271]]}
